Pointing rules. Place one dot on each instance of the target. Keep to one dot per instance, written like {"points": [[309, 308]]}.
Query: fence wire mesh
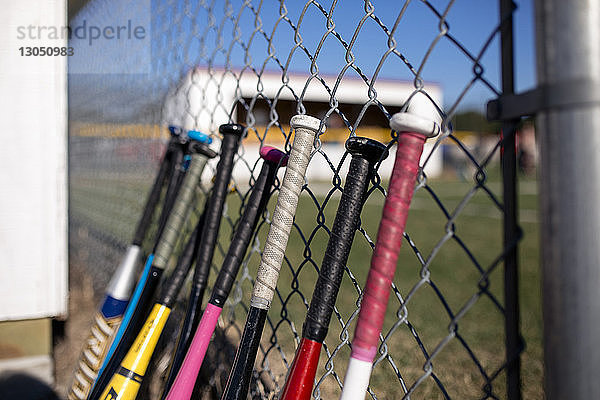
{"points": [[353, 65]]}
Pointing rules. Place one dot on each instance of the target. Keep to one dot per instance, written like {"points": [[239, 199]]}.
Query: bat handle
{"points": [[232, 134], [414, 128], [242, 236], [153, 196], [213, 211], [365, 154], [136, 309], [255, 206], [387, 247], [182, 205], [305, 128], [383, 266], [169, 293], [173, 182]]}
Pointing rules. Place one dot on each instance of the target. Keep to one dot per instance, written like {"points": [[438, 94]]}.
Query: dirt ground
{"points": [[67, 344], [70, 335]]}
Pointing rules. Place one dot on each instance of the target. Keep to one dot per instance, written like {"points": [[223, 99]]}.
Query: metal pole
{"points": [[511, 229], [568, 54]]}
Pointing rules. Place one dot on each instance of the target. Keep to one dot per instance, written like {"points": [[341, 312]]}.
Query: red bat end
{"points": [[301, 377]]}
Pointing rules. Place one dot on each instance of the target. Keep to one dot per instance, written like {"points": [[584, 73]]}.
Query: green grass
{"points": [[432, 295], [452, 273]]}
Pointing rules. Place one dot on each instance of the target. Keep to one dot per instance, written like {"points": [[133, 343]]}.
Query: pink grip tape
{"points": [[387, 247], [186, 377]]}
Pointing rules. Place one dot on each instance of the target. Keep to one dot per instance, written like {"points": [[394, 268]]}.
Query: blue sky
{"points": [[178, 26]]}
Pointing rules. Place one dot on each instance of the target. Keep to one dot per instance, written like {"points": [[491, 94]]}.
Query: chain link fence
{"points": [[353, 65]]}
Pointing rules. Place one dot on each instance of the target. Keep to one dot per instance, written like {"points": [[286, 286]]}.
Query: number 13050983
{"points": [[46, 51]]}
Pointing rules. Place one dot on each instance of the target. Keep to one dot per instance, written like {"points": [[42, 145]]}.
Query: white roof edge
{"points": [[273, 73], [351, 89]]}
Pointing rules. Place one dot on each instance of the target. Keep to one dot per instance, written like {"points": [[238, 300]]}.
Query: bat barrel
{"points": [[238, 382], [183, 385], [127, 379], [301, 376], [153, 328]]}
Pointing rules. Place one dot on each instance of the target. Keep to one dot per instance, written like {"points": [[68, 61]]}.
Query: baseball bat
{"points": [[231, 137], [301, 375], [419, 122], [183, 385], [155, 264], [126, 382], [118, 291], [238, 381]]}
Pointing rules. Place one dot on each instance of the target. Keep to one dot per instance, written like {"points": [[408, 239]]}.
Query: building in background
{"points": [[205, 98]]}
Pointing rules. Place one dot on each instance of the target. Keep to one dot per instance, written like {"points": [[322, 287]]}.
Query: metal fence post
{"points": [[511, 228], [568, 66]]}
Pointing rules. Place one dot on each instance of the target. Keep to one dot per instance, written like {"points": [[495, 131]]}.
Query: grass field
{"points": [[455, 256]]}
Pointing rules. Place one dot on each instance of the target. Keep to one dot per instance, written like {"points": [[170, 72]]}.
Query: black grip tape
{"points": [[241, 372], [214, 207], [201, 148], [255, 206], [338, 248], [208, 239], [153, 196], [172, 187]]}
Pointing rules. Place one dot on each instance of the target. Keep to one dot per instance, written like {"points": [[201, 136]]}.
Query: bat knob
{"points": [[421, 116], [273, 155], [175, 131], [306, 122], [232, 129], [370, 149], [202, 148], [199, 137]]}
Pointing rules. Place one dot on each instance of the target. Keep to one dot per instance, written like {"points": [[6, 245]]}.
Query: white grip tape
{"points": [[283, 216], [180, 210], [356, 381]]}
